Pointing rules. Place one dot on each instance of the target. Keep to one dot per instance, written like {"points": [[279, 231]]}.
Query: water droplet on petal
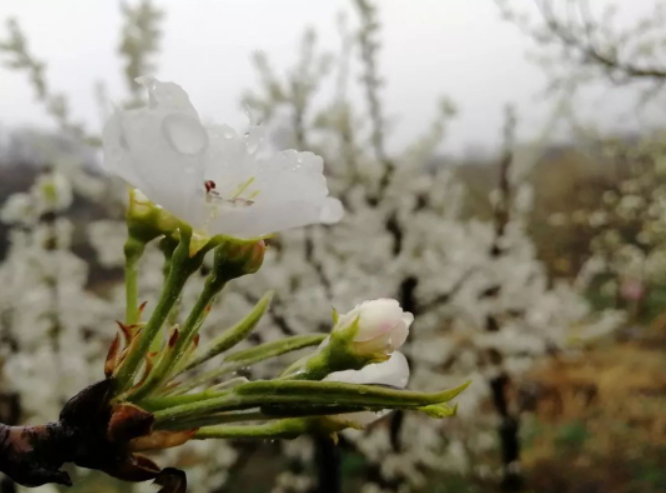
{"points": [[185, 134]]}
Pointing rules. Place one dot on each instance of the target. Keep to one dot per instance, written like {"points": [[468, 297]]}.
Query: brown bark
{"points": [[90, 433]]}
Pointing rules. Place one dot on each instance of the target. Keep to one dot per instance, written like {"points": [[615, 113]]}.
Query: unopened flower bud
{"points": [[368, 334], [376, 328], [234, 259]]}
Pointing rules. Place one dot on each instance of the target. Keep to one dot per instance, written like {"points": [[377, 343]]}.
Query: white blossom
{"points": [[219, 181]]}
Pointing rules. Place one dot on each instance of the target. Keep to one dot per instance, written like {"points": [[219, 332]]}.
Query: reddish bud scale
{"points": [[150, 362], [128, 422], [142, 307], [112, 357], [129, 331], [173, 338], [136, 468], [161, 439]]}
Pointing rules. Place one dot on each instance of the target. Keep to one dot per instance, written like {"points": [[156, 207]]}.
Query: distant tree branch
{"points": [[624, 56]]}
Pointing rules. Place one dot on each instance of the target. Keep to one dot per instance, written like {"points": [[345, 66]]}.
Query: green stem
{"points": [[167, 245], [134, 249], [183, 266], [232, 336], [214, 284], [221, 371], [191, 326]]}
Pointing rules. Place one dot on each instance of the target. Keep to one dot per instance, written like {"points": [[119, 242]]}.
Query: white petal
{"points": [[362, 418], [332, 212], [166, 95], [254, 221], [394, 372], [117, 159], [185, 134]]}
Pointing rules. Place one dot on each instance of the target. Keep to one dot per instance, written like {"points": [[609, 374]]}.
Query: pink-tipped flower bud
{"points": [[380, 327]]}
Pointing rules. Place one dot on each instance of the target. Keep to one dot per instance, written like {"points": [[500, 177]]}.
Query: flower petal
{"points": [[185, 134], [394, 372], [332, 212]]}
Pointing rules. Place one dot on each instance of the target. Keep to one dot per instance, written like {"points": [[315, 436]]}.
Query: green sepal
{"points": [[146, 220], [232, 336], [336, 316], [299, 393], [274, 348], [153, 404], [439, 411], [251, 356], [336, 355], [284, 428]]}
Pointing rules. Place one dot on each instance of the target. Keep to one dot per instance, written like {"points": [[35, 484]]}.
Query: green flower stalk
{"points": [[145, 222], [182, 267], [232, 260]]}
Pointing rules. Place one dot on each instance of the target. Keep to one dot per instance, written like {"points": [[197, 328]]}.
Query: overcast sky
{"points": [[459, 48]]}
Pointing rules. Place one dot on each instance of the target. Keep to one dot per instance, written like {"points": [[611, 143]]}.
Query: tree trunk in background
{"points": [[10, 412], [509, 427], [327, 461], [512, 479]]}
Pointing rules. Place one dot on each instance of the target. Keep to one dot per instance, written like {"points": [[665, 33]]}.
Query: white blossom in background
{"points": [[411, 242], [446, 254], [628, 226], [53, 326]]}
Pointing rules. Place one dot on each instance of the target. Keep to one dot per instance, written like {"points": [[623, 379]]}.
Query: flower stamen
{"points": [[242, 187], [210, 186]]}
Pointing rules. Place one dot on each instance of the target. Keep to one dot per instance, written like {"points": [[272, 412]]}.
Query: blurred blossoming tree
{"points": [[484, 301], [485, 304], [580, 45]]}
